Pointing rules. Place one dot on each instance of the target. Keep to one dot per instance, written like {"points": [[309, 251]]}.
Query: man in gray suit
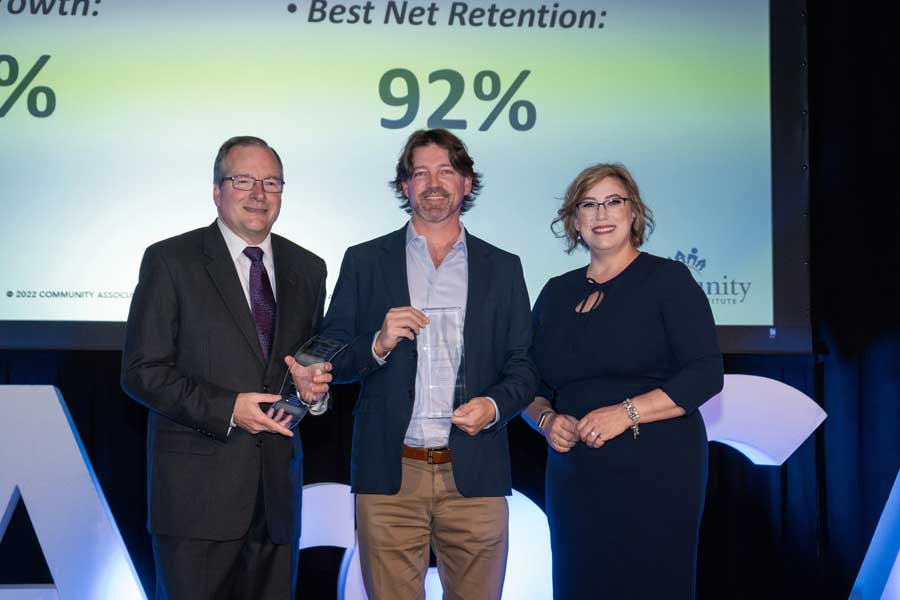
{"points": [[214, 311]]}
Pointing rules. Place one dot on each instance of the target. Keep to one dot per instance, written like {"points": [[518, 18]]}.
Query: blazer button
{"points": [[266, 389], [259, 443]]}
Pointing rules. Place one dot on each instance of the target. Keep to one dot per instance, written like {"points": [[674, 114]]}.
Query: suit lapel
{"points": [[393, 267], [222, 271], [293, 301], [480, 274]]}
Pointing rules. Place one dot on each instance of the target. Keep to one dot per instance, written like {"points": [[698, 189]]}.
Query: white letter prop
{"points": [[43, 461], [879, 574], [764, 419], [329, 516]]}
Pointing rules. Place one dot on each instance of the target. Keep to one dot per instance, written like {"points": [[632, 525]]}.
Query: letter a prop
{"points": [[43, 461]]}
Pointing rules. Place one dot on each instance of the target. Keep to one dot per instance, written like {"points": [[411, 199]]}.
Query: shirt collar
{"points": [[236, 245], [412, 236]]}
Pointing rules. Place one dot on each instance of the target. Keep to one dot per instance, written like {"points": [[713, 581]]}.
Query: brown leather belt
{"points": [[433, 456]]}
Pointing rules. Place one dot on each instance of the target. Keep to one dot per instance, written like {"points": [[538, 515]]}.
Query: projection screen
{"points": [[111, 113]]}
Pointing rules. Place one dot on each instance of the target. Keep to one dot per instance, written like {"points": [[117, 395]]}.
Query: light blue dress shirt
{"points": [[433, 287], [444, 286]]}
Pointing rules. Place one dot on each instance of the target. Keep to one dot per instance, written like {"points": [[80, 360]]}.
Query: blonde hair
{"points": [[642, 225]]}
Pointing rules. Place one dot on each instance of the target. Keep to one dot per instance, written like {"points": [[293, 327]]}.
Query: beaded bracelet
{"points": [[634, 415]]}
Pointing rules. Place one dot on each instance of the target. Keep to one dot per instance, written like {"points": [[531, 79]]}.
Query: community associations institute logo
{"points": [[724, 290]]}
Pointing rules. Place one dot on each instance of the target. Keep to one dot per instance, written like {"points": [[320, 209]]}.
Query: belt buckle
{"points": [[430, 456]]}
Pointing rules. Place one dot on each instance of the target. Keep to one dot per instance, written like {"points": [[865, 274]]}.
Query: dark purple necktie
{"points": [[262, 300]]}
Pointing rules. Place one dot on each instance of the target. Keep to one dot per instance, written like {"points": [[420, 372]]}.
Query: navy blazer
{"points": [[497, 337], [190, 348]]}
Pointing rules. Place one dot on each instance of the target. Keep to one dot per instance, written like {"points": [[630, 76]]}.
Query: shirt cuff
{"points": [[377, 358], [321, 406], [231, 425], [496, 413]]}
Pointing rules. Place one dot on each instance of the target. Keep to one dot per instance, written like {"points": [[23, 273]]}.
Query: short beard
{"points": [[429, 215]]}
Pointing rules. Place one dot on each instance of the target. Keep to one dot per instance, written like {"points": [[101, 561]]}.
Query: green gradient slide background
{"points": [[146, 92]]}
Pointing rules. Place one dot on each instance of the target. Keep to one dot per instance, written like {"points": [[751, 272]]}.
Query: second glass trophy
{"points": [[316, 350], [440, 343]]}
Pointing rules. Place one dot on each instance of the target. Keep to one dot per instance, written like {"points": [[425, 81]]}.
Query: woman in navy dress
{"points": [[627, 351]]}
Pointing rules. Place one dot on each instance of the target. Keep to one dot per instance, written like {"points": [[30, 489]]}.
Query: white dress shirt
{"points": [[242, 262]]}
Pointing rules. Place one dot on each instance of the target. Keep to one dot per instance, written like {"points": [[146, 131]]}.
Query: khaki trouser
{"points": [[470, 537]]}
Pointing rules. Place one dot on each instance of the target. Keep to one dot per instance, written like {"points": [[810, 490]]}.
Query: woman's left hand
{"points": [[601, 425]]}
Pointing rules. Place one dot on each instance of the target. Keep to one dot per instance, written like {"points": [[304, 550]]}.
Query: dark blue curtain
{"points": [[855, 273]]}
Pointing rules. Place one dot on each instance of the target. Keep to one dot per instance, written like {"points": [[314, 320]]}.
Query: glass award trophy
{"points": [[316, 350], [443, 380]]}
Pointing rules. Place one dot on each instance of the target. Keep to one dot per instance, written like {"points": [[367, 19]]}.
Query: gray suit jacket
{"points": [[190, 348]]}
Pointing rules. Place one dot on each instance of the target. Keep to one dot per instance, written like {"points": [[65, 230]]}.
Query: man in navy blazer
{"points": [[432, 468]]}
